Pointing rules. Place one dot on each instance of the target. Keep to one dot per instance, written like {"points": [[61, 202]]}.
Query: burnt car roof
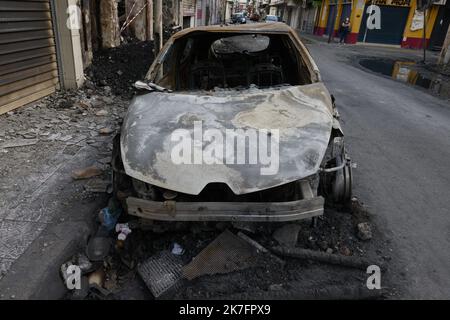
{"points": [[268, 27]]}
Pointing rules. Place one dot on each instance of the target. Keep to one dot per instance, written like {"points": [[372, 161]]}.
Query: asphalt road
{"points": [[400, 138]]}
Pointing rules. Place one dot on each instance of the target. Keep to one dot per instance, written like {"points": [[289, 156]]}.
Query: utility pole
{"points": [[149, 20], [424, 38], [158, 25], [367, 22], [425, 5]]}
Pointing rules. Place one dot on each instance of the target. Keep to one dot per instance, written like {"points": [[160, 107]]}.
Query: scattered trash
{"points": [[246, 226], [98, 248], [108, 216], [225, 254], [97, 185], [65, 138], [18, 143], [82, 293], [110, 283], [86, 173], [99, 293], [101, 113], [364, 231], [259, 247], [177, 249], [124, 230], [97, 277], [345, 251], [276, 287], [161, 273], [287, 235], [84, 263], [306, 254], [106, 131]]}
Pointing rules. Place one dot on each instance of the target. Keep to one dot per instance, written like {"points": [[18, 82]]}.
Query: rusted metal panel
{"points": [[6, 16], [28, 67], [23, 65], [24, 6], [226, 211], [8, 88], [29, 98], [26, 45], [25, 26], [27, 73], [25, 55], [8, 98], [12, 37]]}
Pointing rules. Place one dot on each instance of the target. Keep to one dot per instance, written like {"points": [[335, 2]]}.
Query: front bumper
{"points": [[226, 211]]}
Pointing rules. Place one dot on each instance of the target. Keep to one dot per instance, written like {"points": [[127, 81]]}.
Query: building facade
{"points": [[299, 14], [392, 22]]}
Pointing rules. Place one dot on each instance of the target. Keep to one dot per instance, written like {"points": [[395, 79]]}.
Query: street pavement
{"points": [[400, 138]]}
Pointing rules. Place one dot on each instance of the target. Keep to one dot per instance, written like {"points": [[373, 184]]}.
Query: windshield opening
{"points": [[209, 61]]}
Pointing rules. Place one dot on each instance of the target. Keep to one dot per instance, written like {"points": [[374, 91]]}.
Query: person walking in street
{"points": [[345, 29]]}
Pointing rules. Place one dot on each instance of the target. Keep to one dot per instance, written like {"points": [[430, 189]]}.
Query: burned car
{"points": [[231, 123]]}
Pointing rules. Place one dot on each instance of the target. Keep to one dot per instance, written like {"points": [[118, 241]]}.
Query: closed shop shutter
{"points": [[393, 21], [188, 7], [331, 19], [28, 68]]}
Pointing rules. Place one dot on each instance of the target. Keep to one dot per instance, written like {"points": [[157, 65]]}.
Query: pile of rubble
{"points": [[38, 139], [74, 118], [226, 260], [118, 68]]}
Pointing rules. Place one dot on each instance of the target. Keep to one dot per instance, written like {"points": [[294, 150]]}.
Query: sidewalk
{"points": [[40, 146], [372, 48]]}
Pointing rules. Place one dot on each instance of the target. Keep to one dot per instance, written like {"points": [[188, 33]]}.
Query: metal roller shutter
{"points": [[393, 22], [28, 65]]}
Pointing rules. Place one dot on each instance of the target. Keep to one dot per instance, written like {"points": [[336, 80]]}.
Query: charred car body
{"points": [[231, 78]]}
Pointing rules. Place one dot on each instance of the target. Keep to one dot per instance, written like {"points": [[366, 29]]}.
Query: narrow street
{"points": [[219, 150], [400, 138]]}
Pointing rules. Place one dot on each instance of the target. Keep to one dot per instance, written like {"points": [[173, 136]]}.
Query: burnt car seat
{"points": [[265, 75], [206, 75]]}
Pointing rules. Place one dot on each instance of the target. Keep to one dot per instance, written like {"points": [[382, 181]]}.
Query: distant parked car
{"points": [[255, 17], [238, 18], [272, 18]]}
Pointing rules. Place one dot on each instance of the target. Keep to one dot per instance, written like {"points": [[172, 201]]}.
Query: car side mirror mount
{"points": [[142, 85], [150, 86]]}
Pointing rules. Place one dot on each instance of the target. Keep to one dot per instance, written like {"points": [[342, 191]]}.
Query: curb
{"points": [[36, 275]]}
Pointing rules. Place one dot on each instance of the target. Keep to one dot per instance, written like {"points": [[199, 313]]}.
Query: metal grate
{"points": [[225, 254], [161, 272]]}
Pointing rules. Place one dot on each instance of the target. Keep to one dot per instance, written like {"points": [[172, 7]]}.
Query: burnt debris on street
{"points": [[224, 150]]}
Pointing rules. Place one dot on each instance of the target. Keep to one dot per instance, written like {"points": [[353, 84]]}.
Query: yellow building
{"points": [[395, 22]]}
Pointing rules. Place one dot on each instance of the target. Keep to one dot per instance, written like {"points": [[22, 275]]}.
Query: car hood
{"points": [[296, 120]]}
